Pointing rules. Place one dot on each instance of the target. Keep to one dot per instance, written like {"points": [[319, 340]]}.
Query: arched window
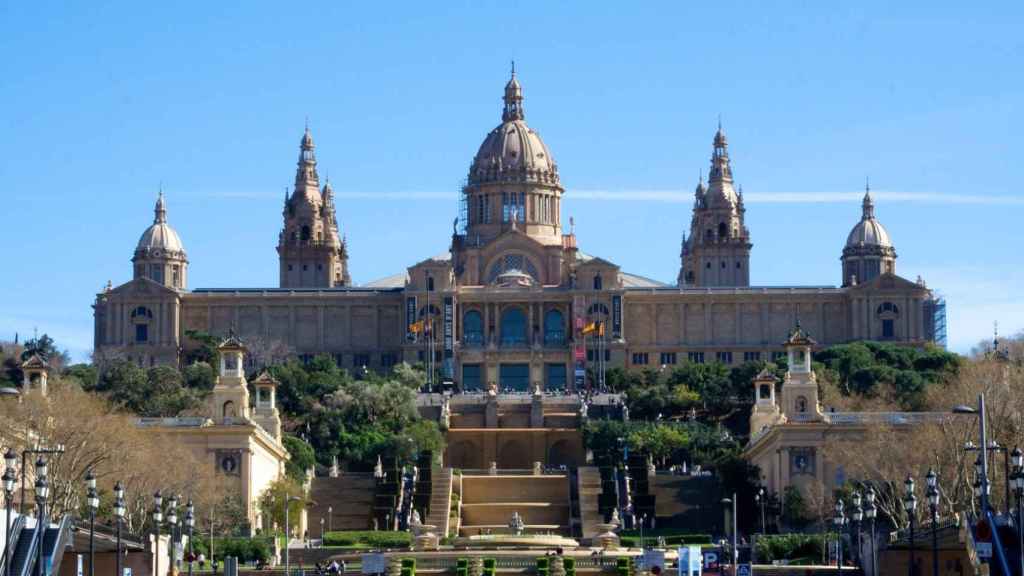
{"points": [[598, 282], [801, 404], [597, 308], [513, 326], [888, 313], [473, 328], [554, 327], [723, 231], [228, 409], [140, 318], [430, 283], [305, 233]]}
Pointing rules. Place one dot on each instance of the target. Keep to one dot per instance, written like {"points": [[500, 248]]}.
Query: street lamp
{"points": [[762, 501], [158, 518], [42, 491], [734, 556], [190, 523], [287, 531], [839, 520], [870, 513], [92, 500], [857, 516], [172, 524], [330, 518], [1018, 491], [932, 479], [119, 517], [10, 458], [910, 505]]}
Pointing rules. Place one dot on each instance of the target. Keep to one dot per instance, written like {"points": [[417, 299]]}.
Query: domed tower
{"points": [[513, 182], [717, 253], [869, 251], [310, 251], [159, 254]]}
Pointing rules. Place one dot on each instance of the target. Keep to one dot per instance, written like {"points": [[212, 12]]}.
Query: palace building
{"points": [[508, 302]]}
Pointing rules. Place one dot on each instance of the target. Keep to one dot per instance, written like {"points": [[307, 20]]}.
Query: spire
{"points": [[513, 99], [720, 170], [305, 174], [160, 210], [868, 205]]}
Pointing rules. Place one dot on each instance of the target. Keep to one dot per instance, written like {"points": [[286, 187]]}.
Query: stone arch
{"points": [[465, 454], [228, 409], [562, 453], [514, 454]]}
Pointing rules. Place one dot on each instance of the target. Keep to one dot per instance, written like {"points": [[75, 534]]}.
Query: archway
{"points": [[562, 453], [464, 454], [514, 456]]}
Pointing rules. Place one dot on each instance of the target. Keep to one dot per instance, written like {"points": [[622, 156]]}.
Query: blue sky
{"points": [[101, 103]]}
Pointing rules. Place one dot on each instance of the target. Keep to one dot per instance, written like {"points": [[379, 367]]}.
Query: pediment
{"points": [[888, 282], [142, 287]]}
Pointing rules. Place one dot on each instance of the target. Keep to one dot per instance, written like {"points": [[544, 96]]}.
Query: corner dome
{"points": [[160, 235], [513, 152], [869, 231]]}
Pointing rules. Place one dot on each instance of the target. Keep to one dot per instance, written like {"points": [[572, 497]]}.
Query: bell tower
{"points": [[717, 252], [800, 387], [230, 398], [310, 251]]}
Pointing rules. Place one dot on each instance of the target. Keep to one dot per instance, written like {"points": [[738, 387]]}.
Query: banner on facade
{"points": [[616, 317], [449, 336], [410, 318]]}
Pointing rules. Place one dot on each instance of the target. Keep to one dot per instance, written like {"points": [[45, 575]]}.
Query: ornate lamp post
{"points": [[762, 501], [172, 524], [119, 517], [870, 513], [42, 491], [10, 477], [839, 520], [190, 523], [857, 516], [158, 519], [330, 518], [910, 505], [92, 500], [932, 479], [1018, 492]]}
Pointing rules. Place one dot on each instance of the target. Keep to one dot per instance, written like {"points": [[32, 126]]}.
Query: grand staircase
{"points": [[440, 499], [345, 502], [589, 482]]}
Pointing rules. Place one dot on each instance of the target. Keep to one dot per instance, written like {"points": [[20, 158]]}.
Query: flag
{"points": [[600, 329], [416, 327], [590, 328]]}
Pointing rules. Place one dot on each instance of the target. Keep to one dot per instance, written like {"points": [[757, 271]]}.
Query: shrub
{"points": [[245, 549], [632, 538], [789, 547], [368, 539]]}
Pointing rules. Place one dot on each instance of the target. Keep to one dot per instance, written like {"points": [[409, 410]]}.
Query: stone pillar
{"points": [[491, 411]]}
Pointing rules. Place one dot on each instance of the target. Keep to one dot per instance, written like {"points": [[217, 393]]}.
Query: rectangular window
{"points": [[471, 380], [175, 276], [667, 358], [514, 377], [487, 209], [556, 377], [156, 272], [695, 357], [505, 208], [724, 357], [338, 359], [142, 332], [305, 358], [360, 360], [751, 356], [640, 358], [888, 328]]}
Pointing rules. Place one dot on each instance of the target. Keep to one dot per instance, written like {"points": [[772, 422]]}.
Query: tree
{"points": [[159, 391], [97, 436], [302, 457], [272, 503]]}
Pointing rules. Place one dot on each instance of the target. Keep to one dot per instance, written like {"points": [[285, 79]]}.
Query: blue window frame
{"points": [[513, 327], [471, 377], [473, 328], [556, 375], [514, 377], [554, 328]]}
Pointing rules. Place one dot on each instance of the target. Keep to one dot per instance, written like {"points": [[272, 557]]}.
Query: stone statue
{"points": [[378, 469], [615, 517], [516, 524], [416, 520], [493, 470], [584, 407], [446, 415]]}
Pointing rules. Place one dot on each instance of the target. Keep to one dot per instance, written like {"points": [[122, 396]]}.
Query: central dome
{"points": [[513, 152]]}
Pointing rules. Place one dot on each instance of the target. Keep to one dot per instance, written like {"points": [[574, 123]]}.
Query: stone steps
{"points": [[589, 482], [345, 502]]}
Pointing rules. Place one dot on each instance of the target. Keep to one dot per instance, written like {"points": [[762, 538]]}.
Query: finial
{"points": [[867, 184], [700, 176], [307, 122], [513, 68], [719, 121], [572, 225]]}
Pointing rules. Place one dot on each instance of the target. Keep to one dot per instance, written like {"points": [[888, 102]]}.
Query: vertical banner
{"points": [[616, 317], [449, 336], [410, 318], [579, 311]]}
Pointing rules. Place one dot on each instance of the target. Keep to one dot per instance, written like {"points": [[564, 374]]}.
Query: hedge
{"points": [[672, 538], [368, 539], [789, 547], [245, 549]]}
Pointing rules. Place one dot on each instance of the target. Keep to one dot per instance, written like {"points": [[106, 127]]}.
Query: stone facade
{"points": [[509, 300]]}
